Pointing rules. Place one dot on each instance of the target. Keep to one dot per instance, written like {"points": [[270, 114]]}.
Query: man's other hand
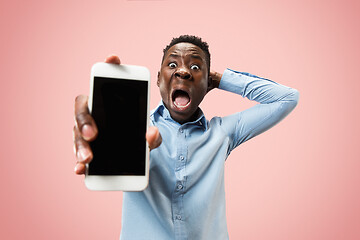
{"points": [[214, 81]]}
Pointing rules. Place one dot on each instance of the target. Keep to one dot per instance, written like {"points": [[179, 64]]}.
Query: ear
{"points": [[158, 79]]}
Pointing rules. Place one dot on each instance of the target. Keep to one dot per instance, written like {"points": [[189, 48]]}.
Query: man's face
{"points": [[183, 81]]}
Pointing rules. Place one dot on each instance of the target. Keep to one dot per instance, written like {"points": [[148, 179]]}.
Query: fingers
{"points": [[82, 148], [84, 121], [80, 168], [214, 80], [84, 130], [112, 59], [82, 151], [153, 137]]}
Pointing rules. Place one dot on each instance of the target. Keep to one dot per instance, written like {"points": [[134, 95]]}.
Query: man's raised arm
{"points": [[276, 102]]}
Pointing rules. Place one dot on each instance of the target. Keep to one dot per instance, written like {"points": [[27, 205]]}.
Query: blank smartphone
{"points": [[119, 104]]}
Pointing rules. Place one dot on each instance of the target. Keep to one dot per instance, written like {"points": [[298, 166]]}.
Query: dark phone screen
{"points": [[119, 108]]}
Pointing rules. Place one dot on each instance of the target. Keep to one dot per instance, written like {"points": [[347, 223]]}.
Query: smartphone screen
{"points": [[119, 108]]}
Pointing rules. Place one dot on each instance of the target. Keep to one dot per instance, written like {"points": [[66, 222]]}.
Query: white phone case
{"points": [[119, 182]]}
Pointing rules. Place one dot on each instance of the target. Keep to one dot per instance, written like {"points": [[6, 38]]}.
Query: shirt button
{"points": [[182, 158], [178, 217], [179, 187], [181, 130]]}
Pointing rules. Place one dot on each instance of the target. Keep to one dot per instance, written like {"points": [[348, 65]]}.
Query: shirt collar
{"points": [[164, 112]]}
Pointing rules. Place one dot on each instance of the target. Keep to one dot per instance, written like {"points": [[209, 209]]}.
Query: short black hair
{"points": [[197, 41]]}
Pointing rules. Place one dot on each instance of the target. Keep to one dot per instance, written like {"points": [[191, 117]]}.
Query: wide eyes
{"points": [[192, 67], [172, 65]]}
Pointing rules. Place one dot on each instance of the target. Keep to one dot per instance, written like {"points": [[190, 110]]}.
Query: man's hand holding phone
{"points": [[85, 130]]}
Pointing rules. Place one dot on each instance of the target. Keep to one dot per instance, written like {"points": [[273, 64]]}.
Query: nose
{"points": [[183, 73]]}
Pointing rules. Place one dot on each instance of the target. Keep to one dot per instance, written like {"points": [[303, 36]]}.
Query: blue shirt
{"points": [[185, 198]]}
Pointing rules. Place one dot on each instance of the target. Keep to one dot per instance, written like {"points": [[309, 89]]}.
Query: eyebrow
{"points": [[196, 56], [174, 55]]}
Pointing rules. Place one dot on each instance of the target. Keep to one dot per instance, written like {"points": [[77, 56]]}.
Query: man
{"points": [[185, 198]]}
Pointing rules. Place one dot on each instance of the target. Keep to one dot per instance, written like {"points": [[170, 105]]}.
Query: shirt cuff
{"points": [[233, 81], [236, 82]]}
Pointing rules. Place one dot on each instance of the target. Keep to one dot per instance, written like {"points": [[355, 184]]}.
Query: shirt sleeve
{"points": [[276, 101]]}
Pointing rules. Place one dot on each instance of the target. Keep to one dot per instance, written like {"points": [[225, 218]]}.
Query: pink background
{"points": [[300, 180]]}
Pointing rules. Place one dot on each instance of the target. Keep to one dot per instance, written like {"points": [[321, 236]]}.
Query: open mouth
{"points": [[181, 99]]}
